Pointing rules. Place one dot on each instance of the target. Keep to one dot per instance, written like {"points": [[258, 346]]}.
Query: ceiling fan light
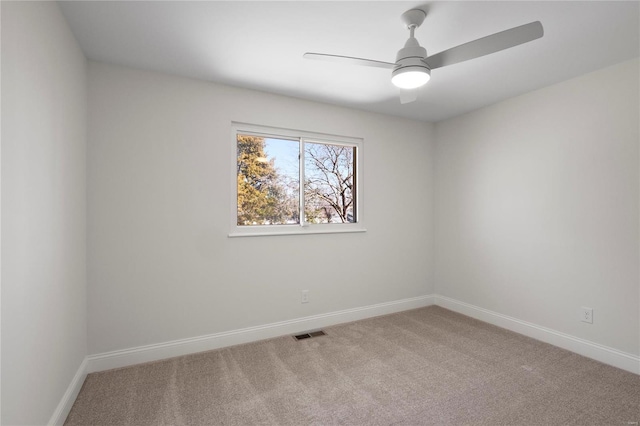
{"points": [[410, 77]]}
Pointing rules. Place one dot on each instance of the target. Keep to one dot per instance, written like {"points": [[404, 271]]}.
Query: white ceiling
{"points": [[259, 45]]}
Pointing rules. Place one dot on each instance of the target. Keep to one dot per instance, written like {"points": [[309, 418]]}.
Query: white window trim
{"points": [[303, 228]]}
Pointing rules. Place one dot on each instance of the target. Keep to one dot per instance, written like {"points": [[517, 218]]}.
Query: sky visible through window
{"points": [[285, 153]]}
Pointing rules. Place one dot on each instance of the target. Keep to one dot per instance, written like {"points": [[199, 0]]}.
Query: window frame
{"points": [[303, 228]]}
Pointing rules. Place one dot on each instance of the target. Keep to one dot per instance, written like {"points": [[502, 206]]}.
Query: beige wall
{"points": [[161, 266], [536, 207], [43, 210]]}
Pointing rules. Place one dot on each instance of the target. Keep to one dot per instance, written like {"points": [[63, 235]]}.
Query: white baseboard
{"points": [[583, 347], [141, 354], [126, 357], [69, 397]]}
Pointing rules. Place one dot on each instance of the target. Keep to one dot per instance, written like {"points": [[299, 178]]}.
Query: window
{"points": [[293, 182]]}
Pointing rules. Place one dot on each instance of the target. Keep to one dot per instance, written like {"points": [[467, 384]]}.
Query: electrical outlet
{"points": [[304, 296], [586, 315]]}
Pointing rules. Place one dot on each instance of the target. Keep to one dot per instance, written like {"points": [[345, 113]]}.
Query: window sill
{"points": [[298, 230]]}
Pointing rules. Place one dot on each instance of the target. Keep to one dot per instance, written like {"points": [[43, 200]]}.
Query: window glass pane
{"points": [[329, 183], [268, 181]]}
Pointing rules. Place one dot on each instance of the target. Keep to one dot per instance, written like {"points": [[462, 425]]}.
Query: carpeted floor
{"points": [[420, 367]]}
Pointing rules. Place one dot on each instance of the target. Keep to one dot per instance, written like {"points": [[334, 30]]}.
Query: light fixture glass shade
{"points": [[410, 77]]}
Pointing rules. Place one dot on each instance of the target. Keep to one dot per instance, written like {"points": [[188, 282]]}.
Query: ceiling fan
{"points": [[412, 68]]}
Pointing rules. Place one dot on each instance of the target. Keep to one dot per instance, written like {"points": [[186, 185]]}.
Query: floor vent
{"points": [[309, 335]]}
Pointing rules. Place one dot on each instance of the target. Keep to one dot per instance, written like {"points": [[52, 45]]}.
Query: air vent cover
{"points": [[309, 335]]}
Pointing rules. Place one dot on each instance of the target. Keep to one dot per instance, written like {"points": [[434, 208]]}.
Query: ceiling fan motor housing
{"points": [[411, 57]]}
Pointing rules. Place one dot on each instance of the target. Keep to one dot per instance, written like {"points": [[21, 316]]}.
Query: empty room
{"points": [[320, 213]]}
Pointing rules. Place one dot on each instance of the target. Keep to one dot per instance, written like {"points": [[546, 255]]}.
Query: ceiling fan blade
{"points": [[348, 60], [408, 95], [486, 45]]}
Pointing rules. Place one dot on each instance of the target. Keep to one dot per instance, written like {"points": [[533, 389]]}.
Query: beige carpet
{"points": [[420, 367]]}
